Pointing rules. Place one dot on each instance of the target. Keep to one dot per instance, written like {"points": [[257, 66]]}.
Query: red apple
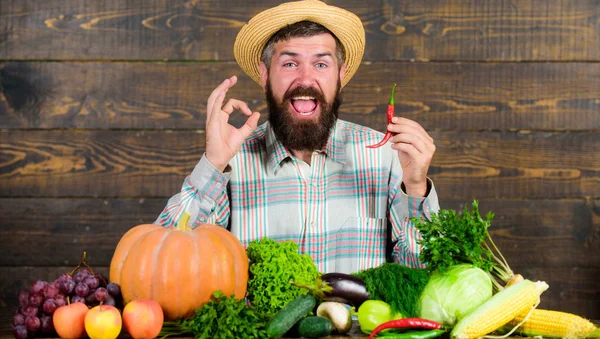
{"points": [[103, 322], [143, 319], [69, 320]]}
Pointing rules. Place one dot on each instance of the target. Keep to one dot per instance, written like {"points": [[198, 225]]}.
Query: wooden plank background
{"points": [[102, 109]]}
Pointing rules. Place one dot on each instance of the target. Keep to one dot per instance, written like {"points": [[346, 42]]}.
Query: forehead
{"points": [[307, 45]]}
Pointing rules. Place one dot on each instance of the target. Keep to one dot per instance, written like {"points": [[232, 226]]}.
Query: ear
{"points": [[264, 74], [342, 73]]}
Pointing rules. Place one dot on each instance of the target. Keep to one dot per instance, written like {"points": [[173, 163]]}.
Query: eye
{"points": [[321, 65], [288, 64]]}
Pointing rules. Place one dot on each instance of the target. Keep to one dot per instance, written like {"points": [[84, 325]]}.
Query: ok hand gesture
{"points": [[223, 140]]}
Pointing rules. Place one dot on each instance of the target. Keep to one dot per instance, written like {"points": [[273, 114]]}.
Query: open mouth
{"points": [[304, 106]]}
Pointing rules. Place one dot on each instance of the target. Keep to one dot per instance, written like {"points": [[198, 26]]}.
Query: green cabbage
{"points": [[451, 295]]}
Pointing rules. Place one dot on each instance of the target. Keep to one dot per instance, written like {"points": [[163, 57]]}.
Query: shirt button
{"points": [[312, 224], [219, 184]]}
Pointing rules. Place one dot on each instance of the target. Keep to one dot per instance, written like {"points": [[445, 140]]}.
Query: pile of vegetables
{"points": [[467, 289]]}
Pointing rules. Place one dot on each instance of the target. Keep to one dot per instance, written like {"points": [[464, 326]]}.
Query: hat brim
{"points": [[345, 25]]}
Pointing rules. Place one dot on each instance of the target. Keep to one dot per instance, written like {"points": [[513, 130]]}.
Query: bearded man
{"points": [[305, 175]]}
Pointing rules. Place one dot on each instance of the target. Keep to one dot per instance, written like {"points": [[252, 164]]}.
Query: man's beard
{"points": [[302, 134]]}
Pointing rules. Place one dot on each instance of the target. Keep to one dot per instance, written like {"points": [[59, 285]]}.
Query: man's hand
{"points": [[223, 140], [415, 149]]}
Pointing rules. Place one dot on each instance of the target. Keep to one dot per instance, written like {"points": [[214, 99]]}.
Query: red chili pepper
{"points": [[390, 115], [407, 323]]}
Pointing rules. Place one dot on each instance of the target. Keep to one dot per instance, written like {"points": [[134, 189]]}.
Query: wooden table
{"points": [[6, 329]]}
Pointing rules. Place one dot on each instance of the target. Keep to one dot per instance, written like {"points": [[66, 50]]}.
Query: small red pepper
{"points": [[390, 115], [407, 323]]}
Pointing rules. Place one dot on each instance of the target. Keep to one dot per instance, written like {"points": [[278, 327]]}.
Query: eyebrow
{"points": [[294, 54]]}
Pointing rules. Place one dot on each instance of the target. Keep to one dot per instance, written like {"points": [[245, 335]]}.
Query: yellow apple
{"points": [[103, 322], [69, 320], [143, 319]]}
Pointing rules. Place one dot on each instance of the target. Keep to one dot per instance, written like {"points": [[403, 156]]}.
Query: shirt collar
{"points": [[334, 148]]}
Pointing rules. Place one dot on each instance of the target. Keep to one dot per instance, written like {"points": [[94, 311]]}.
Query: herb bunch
{"points": [[451, 238], [222, 317], [398, 285]]}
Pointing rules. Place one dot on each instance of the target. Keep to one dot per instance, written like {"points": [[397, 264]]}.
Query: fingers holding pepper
{"points": [[415, 151], [400, 126]]}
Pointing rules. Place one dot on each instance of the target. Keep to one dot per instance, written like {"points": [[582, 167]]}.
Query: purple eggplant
{"points": [[339, 287]]}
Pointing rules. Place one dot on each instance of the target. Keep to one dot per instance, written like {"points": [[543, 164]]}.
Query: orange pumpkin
{"points": [[179, 267]]}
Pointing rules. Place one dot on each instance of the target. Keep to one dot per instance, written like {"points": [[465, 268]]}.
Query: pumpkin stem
{"points": [[182, 224]]}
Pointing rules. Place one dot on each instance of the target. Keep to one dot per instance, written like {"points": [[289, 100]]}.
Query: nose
{"points": [[305, 76]]}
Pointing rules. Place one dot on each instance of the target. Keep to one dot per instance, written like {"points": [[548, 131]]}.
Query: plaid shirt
{"points": [[339, 210]]}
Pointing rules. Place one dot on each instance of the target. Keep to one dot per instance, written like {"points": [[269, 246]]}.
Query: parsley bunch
{"points": [[450, 239], [222, 317]]}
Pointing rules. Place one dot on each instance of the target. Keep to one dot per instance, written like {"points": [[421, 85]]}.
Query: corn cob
{"points": [[551, 324], [499, 309]]}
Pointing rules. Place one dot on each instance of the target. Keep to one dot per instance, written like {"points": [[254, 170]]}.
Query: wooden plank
{"points": [[514, 96], [571, 289], [205, 30], [55, 232], [529, 233], [542, 233], [116, 163], [97, 163]]}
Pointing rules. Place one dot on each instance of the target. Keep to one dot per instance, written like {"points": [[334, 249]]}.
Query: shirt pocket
{"points": [[360, 243]]}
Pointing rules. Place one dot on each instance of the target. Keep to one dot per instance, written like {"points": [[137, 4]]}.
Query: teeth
{"points": [[303, 98]]}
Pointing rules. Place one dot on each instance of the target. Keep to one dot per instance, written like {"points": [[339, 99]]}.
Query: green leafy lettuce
{"points": [[272, 266]]}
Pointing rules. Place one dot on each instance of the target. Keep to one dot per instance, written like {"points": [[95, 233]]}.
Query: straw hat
{"points": [[345, 25]]}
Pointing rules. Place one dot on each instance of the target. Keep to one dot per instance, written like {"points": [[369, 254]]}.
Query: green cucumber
{"points": [[314, 327], [290, 314]]}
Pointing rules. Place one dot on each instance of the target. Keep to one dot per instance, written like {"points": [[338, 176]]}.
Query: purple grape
{"points": [[82, 290], [79, 276], [60, 280], [101, 294], [64, 277], [50, 291], [67, 286], [102, 280], [77, 299], [91, 297], [85, 271], [47, 325], [32, 324], [30, 311], [49, 306], [36, 299], [20, 332], [92, 282], [110, 300], [37, 286], [113, 289], [24, 298], [60, 300], [18, 319]]}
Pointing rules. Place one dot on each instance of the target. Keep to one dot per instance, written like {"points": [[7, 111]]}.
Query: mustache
{"points": [[304, 91]]}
